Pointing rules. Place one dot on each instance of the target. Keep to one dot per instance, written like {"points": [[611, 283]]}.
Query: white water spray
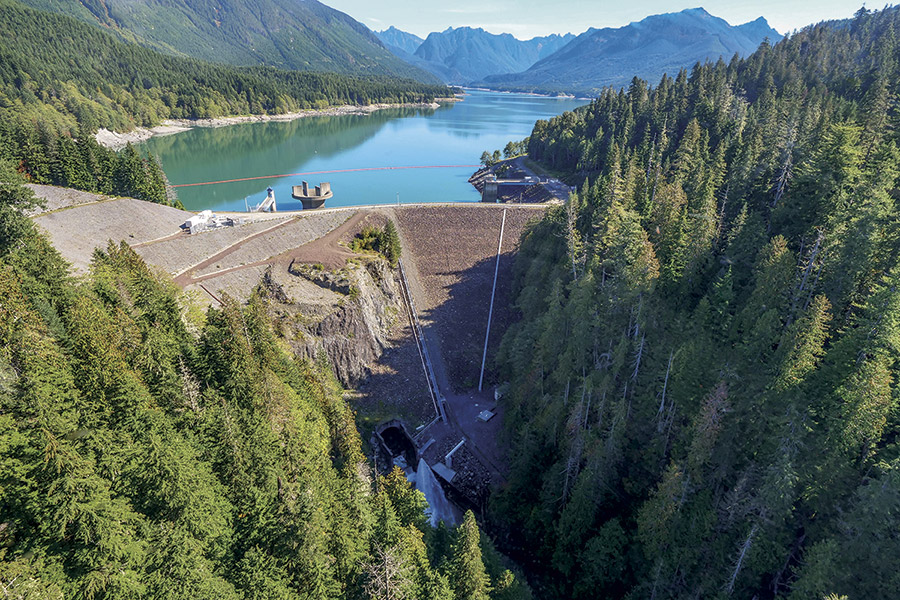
{"points": [[439, 508]]}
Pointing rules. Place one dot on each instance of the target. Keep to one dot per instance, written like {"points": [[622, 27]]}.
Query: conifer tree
{"points": [[466, 568], [408, 502], [389, 243], [803, 345], [15, 200]]}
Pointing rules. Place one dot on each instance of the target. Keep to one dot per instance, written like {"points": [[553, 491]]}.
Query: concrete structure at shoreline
{"points": [[511, 190], [267, 205], [511, 182], [316, 199]]}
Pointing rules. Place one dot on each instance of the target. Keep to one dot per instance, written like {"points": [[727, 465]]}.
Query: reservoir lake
{"points": [[454, 134]]}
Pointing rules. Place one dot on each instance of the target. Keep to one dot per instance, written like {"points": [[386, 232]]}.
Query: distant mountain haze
{"points": [[464, 55], [394, 38], [289, 34], [472, 54], [759, 30], [649, 48]]}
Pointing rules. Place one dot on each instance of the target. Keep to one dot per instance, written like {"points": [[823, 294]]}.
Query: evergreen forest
{"points": [[704, 380], [290, 35]]}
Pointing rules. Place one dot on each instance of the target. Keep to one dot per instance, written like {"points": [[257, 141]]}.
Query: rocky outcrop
{"points": [[347, 314], [478, 177]]}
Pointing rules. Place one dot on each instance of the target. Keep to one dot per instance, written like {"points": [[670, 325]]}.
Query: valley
{"points": [[619, 318], [449, 253]]}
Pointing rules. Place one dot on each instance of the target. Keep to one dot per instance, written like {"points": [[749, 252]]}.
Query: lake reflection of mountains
{"points": [[289, 142], [259, 149]]}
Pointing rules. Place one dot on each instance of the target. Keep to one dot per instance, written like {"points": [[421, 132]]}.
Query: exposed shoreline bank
{"points": [[116, 141], [559, 95]]}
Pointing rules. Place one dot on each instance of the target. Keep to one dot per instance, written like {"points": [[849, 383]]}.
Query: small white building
{"points": [[200, 218]]}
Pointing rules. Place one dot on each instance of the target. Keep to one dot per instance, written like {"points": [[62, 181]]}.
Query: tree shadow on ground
{"points": [[395, 388], [460, 322]]}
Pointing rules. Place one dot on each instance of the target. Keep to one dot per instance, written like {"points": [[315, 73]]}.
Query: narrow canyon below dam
{"points": [[326, 298]]}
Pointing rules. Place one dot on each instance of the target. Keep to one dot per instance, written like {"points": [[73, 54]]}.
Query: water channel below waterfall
{"points": [[454, 134]]}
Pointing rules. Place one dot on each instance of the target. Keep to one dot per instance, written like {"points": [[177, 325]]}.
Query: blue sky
{"points": [[528, 18]]}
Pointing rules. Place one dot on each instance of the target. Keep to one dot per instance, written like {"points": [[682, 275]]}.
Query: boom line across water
{"points": [[178, 185]]}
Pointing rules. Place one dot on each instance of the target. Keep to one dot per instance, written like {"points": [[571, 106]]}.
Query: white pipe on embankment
{"points": [[487, 334]]}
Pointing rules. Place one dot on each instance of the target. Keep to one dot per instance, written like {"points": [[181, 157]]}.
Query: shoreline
{"points": [[560, 95], [116, 141]]}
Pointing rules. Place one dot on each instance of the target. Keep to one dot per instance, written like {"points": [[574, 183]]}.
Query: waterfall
{"points": [[439, 508]]}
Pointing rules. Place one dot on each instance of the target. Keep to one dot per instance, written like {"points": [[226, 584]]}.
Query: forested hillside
{"points": [[703, 384], [149, 451], [288, 34], [61, 70], [61, 80]]}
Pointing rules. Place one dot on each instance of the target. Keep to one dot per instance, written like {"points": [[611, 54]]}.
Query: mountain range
{"points": [[310, 36], [581, 64], [649, 48], [463, 55], [288, 34], [397, 40]]}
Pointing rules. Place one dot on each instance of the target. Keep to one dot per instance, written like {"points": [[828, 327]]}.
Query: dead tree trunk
{"points": [[811, 265], [660, 414], [787, 165], [742, 555]]}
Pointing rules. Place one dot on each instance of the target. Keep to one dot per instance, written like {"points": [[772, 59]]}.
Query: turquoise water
{"points": [[455, 134]]}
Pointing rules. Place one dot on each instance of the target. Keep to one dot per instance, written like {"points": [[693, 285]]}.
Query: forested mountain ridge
{"points": [[649, 48], [47, 55], [704, 381], [287, 34]]}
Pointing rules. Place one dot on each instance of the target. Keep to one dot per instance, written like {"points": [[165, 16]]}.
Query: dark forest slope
{"points": [[704, 381]]}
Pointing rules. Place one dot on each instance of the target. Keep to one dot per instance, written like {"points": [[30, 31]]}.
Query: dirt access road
{"points": [[324, 250]]}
